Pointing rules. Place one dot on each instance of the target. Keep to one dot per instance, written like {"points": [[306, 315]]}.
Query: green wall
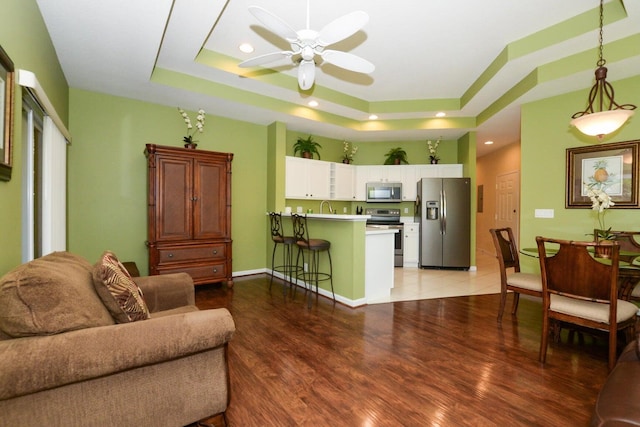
{"points": [[546, 135], [24, 37], [373, 152], [107, 175]]}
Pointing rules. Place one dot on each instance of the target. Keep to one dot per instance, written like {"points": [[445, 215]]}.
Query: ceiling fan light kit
{"points": [[604, 121], [307, 44]]}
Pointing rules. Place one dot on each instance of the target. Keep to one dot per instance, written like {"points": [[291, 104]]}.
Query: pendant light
{"points": [[603, 121]]}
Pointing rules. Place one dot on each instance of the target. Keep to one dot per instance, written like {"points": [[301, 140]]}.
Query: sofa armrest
{"points": [[167, 291], [38, 363]]}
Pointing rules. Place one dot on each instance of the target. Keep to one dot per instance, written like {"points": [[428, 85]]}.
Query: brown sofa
{"points": [[65, 361], [618, 403]]}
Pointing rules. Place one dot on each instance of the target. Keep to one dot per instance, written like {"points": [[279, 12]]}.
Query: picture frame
{"points": [[612, 168], [7, 75]]}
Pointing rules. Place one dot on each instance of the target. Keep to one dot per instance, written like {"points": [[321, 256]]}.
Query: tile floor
{"points": [[416, 283]]}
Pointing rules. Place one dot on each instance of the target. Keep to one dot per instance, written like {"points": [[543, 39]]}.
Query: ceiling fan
{"points": [[308, 44]]}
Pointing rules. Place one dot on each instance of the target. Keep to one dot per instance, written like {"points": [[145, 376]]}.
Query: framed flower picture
{"points": [[6, 114], [612, 168]]}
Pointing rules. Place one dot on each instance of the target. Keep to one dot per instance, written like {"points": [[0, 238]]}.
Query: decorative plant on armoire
{"points": [[188, 140]]}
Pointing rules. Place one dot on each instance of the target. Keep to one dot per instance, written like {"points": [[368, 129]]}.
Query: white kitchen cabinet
{"points": [[342, 181], [307, 179], [409, 183], [411, 244], [384, 173], [426, 171], [449, 171], [319, 180], [360, 183]]}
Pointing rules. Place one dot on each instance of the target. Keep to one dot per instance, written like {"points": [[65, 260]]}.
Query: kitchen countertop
{"points": [[334, 217]]}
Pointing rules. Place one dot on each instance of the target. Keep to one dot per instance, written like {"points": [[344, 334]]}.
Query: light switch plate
{"points": [[544, 213]]}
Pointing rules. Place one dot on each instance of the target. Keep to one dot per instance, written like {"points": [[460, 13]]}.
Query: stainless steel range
{"points": [[389, 218]]}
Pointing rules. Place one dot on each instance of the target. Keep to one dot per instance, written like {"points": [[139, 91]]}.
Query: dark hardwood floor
{"points": [[443, 362]]}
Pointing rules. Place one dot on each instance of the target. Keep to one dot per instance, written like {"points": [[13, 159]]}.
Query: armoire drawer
{"points": [[190, 253], [199, 273]]}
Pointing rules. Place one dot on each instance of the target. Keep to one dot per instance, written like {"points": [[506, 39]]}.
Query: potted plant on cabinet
{"points": [[307, 147], [396, 156]]}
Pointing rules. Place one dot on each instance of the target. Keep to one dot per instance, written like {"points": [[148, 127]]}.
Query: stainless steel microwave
{"points": [[384, 192]]}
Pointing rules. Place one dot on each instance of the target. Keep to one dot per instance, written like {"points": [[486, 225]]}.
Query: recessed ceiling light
{"points": [[313, 103], [441, 114], [373, 117], [488, 142], [246, 48]]}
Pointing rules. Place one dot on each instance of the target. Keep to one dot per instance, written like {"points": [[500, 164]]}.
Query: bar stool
{"points": [[313, 247], [287, 255]]}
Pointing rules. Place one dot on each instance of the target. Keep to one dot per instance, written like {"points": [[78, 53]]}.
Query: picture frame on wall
{"points": [[612, 168], [7, 73]]}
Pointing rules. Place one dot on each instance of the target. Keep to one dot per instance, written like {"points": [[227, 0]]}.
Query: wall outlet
{"points": [[344, 210], [299, 209], [306, 267], [406, 210]]}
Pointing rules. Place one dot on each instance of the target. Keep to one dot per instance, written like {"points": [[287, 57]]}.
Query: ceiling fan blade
{"points": [[306, 74], [342, 27], [348, 61], [263, 59], [273, 23]]}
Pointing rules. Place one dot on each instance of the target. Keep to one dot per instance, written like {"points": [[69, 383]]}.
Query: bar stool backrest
{"points": [[276, 224], [300, 229]]}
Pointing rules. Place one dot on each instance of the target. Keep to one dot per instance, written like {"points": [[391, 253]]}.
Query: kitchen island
{"points": [[362, 258]]}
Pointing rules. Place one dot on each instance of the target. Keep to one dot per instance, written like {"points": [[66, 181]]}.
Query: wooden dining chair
{"points": [[579, 289], [515, 281]]}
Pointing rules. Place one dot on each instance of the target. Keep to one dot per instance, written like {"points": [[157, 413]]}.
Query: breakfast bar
{"points": [[362, 258]]}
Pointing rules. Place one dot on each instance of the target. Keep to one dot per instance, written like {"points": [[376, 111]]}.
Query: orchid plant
{"points": [[433, 150], [349, 150], [191, 131], [601, 201]]}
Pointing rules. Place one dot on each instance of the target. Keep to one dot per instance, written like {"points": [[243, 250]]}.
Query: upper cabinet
{"points": [[307, 179], [342, 181], [315, 179]]}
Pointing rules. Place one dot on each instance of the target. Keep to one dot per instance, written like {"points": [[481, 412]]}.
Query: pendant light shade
{"points": [[602, 123], [610, 115]]}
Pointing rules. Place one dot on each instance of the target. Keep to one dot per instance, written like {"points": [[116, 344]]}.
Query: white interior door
{"points": [[508, 202]]}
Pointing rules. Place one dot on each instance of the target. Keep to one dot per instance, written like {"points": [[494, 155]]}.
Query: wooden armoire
{"points": [[189, 213]]}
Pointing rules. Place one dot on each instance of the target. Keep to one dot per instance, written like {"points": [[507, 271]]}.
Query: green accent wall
{"points": [[24, 37], [546, 134], [107, 176], [373, 152], [467, 156]]}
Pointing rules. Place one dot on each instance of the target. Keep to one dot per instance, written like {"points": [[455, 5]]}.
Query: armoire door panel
{"points": [[174, 204], [209, 208]]}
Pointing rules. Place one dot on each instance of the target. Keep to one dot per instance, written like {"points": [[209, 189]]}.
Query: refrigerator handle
{"points": [[443, 220]]}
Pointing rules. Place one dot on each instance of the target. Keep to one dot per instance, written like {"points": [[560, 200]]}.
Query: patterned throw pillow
{"points": [[118, 291]]}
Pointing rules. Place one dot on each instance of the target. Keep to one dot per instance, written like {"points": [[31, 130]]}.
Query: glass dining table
{"points": [[628, 272]]}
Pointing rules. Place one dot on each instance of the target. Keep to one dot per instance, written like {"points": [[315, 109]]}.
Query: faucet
{"points": [[328, 203]]}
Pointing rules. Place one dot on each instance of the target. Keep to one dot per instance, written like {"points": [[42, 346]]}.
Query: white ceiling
{"points": [[423, 50]]}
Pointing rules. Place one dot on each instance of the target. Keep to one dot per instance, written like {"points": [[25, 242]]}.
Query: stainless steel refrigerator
{"points": [[443, 210]]}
